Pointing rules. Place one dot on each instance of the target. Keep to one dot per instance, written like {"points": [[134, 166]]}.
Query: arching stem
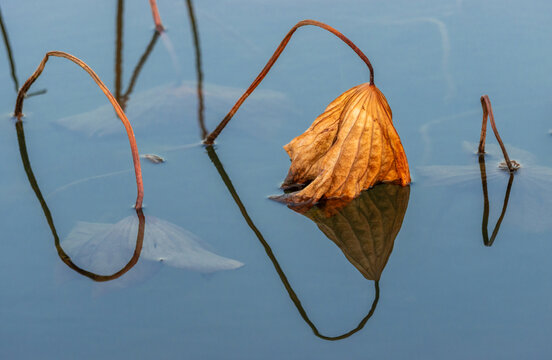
{"points": [[211, 138], [18, 112], [488, 112]]}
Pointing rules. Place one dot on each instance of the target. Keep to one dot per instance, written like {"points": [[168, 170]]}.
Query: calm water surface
{"points": [[442, 292]]}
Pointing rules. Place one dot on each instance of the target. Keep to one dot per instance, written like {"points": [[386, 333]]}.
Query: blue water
{"points": [[442, 294]]}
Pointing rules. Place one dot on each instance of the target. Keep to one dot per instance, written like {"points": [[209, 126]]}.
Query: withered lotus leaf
{"points": [[350, 147], [366, 228]]}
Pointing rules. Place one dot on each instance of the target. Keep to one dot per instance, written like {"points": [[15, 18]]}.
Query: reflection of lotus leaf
{"points": [[161, 105], [365, 229], [103, 248]]}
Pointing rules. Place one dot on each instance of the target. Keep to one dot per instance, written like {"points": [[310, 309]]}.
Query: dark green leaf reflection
{"points": [[365, 229]]}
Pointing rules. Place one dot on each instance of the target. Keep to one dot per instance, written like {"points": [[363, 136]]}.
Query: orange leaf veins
{"points": [[350, 147]]}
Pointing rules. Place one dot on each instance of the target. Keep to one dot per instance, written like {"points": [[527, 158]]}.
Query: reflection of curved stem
{"points": [[119, 51], [9, 51], [12, 61], [293, 296], [485, 222], [138, 68], [120, 113], [62, 255], [213, 135], [200, 104], [122, 98]]}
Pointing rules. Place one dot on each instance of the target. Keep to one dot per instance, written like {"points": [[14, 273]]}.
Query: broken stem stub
{"points": [[488, 113], [18, 112], [213, 135]]}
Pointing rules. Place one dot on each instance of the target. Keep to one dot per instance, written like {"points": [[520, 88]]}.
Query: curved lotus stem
{"points": [[211, 138], [488, 112], [156, 17], [18, 112]]}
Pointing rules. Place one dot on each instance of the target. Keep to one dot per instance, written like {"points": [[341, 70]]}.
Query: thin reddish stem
{"points": [[488, 112], [156, 17], [120, 113], [211, 138]]}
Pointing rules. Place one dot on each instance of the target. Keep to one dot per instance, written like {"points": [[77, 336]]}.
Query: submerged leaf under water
{"points": [[166, 104], [103, 248]]}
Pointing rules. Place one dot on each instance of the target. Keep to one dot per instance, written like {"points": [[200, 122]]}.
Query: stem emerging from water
{"points": [[211, 138], [156, 17], [18, 112], [488, 112]]}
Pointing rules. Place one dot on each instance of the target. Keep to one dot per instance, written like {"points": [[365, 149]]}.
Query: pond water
{"points": [[265, 281]]}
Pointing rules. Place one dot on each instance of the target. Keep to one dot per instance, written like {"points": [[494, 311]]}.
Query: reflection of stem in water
{"points": [[18, 112], [12, 61], [9, 51], [485, 222], [62, 255], [119, 51], [213, 135], [122, 98], [293, 296], [200, 105], [139, 66]]}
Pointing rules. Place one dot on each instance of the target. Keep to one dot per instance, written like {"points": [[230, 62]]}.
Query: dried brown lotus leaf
{"points": [[350, 147]]}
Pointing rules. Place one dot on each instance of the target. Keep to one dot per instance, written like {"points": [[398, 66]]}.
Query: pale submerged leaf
{"points": [[104, 248]]}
